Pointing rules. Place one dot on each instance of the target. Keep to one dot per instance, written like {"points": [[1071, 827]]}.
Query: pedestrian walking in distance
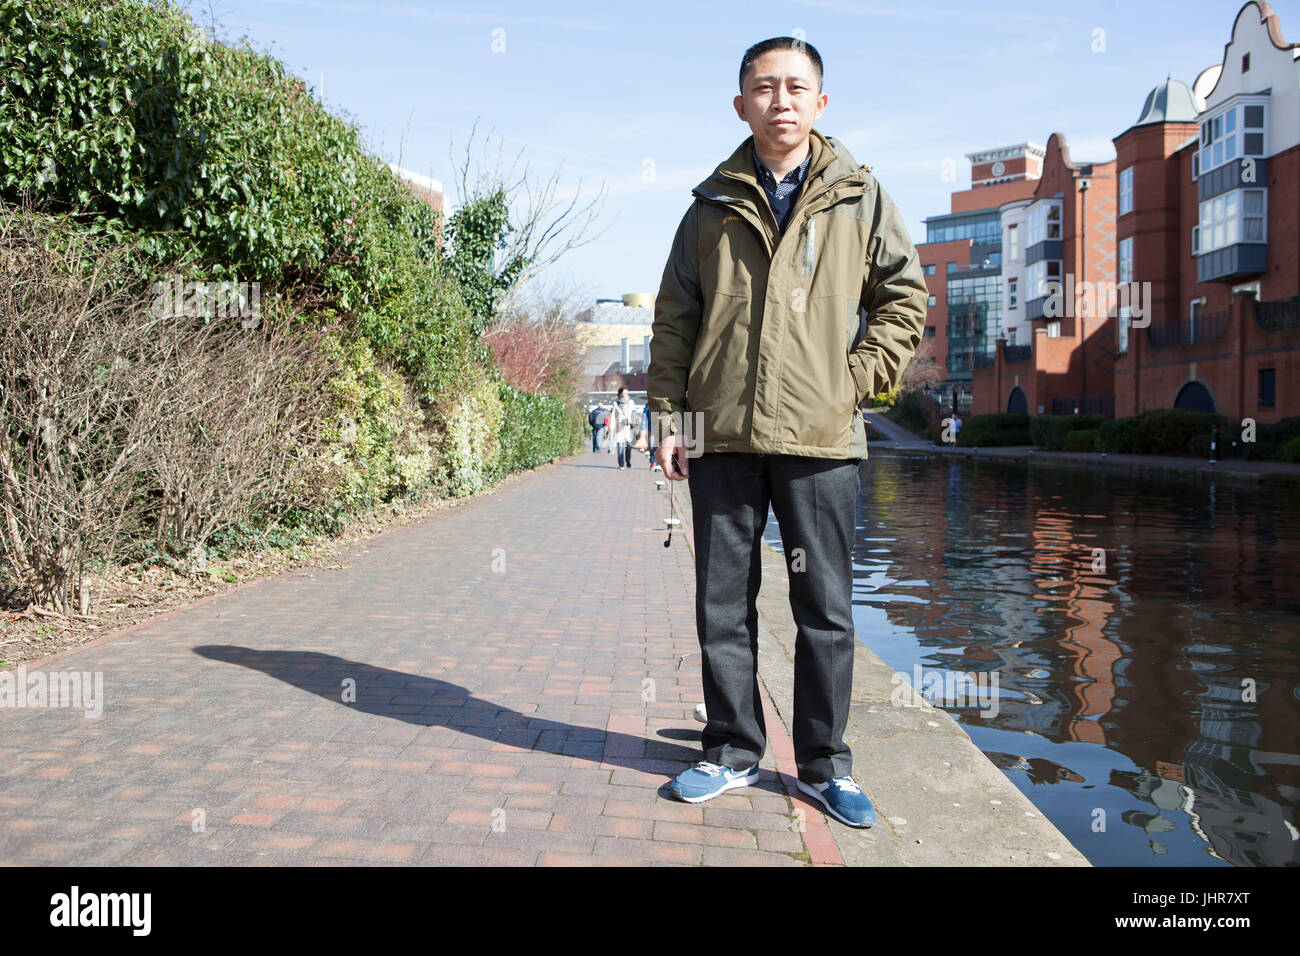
{"points": [[622, 421]]}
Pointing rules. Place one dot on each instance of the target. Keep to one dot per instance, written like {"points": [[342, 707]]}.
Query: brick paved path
{"points": [[524, 667]]}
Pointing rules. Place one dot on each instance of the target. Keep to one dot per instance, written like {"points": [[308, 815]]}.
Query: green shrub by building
{"points": [[1161, 431], [1049, 432], [986, 431], [1081, 439]]}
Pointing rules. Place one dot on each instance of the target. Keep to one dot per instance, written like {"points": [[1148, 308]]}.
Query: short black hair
{"points": [[780, 43]]}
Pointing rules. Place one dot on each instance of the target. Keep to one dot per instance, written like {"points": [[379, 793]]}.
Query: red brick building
{"points": [[1200, 211], [1067, 365], [962, 262], [1215, 228]]}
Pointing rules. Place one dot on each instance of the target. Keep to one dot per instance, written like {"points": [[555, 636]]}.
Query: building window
{"points": [[1219, 143], [929, 329], [1126, 190], [928, 270], [1012, 290], [952, 267], [1011, 336], [1232, 217], [930, 301], [1125, 318], [1054, 329], [1267, 386], [1038, 275], [1044, 222], [1196, 240], [1196, 165], [1252, 215], [1126, 260], [1013, 243], [1245, 62]]}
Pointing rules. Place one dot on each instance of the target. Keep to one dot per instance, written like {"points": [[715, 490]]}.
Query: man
{"points": [[648, 430], [791, 294], [594, 418]]}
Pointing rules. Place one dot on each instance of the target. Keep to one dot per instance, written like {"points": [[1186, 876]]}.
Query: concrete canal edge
{"points": [[939, 800]]}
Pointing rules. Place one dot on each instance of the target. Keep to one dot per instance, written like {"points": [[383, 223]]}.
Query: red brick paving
{"points": [[509, 682]]}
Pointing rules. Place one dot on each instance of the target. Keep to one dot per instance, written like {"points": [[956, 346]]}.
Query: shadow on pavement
{"points": [[429, 702]]}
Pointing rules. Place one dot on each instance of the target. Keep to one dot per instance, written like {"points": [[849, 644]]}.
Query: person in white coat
{"points": [[622, 425]]}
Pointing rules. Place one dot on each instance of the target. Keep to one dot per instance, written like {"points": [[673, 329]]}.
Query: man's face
{"points": [[780, 101]]}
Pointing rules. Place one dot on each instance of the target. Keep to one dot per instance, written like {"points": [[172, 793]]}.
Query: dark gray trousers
{"points": [[815, 502]]}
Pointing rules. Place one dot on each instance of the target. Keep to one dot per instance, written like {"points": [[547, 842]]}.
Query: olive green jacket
{"points": [[767, 342]]}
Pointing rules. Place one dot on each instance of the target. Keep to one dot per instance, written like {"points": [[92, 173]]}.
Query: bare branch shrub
{"points": [[242, 424], [78, 393]]}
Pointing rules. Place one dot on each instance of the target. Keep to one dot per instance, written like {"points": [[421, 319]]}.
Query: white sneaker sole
{"points": [[816, 795], [738, 782]]}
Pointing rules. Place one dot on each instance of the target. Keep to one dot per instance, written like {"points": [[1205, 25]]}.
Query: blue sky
{"points": [[605, 89]]}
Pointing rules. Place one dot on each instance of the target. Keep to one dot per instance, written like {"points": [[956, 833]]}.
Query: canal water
{"points": [[1136, 641]]}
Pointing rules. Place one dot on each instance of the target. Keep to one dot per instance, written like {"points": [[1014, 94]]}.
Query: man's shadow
{"points": [[429, 702]]}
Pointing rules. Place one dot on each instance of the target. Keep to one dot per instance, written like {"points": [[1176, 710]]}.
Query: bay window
{"points": [[1236, 216]]}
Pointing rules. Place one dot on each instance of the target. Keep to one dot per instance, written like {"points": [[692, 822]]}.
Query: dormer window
{"points": [[1245, 62]]}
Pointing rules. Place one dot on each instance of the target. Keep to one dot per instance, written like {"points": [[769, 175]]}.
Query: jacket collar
{"points": [[830, 163]]}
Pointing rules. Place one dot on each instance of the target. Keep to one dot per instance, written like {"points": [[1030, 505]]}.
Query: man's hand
{"points": [[672, 451]]}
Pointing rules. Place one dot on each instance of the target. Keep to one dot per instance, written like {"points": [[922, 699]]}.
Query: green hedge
{"points": [[1270, 440], [535, 429], [1049, 432], [124, 118], [990, 430], [1291, 451], [1163, 431], [121, 114], [1081, 439], [913, 411]]}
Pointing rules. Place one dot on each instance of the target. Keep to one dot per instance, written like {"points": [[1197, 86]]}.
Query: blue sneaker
{"points": [[706, 780], [843, 799]]}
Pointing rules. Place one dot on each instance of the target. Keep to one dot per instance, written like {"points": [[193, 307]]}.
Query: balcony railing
{"points": [[1279, 315], [981, 360], [1019, 353], [1199, 329]]}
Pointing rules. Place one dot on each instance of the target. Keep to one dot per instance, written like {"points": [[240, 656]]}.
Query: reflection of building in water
{"points": [[1236, 824], [1144, 660], [1063, 559]]}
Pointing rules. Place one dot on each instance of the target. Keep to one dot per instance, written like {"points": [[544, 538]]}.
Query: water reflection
{"points": [[1142, 630]]}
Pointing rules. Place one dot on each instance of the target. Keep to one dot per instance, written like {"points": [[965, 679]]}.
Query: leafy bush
{"points": [[1003, 428], [1269, 442], [1049, 431], [378, 444], [124, 115], [175, 152], [1161, 431], [536, 429], [1081, 439], [1291, 451], [914, 411]]}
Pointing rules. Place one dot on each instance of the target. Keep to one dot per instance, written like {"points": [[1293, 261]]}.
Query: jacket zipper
{"points": [[810, 244]]}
